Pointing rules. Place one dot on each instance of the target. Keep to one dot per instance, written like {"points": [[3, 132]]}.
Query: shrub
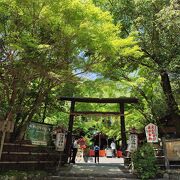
{"points": [[144, 162]]}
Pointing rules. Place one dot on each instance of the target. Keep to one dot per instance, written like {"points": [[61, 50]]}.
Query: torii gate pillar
{"points": [[123, 129], [69, 134]]}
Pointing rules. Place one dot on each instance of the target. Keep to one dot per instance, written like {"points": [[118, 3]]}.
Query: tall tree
{"points": [[157, 26], [40, 45]]}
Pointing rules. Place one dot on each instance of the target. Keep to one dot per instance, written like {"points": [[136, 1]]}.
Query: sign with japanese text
{"points": [[132, 143], [39, 133], [60, 141], [151, 133]]}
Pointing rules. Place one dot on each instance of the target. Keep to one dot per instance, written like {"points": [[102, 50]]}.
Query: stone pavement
{"points": [[90, 160], [107, 168]]}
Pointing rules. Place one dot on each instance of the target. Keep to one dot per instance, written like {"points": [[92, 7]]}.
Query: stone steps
{"points": [[93, 172], [89, 178], [119, 175]]}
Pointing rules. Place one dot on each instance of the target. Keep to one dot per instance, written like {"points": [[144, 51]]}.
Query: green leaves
{"points": [[144, 162], [41, 45]]}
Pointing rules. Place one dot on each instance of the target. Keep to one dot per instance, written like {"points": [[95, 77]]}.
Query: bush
{"points": [[144, 162], [22, 175]]}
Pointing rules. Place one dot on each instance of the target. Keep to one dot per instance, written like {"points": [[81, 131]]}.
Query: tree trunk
{"points": [[37, 102], [20, 134], [170, 100], [172, 107]]}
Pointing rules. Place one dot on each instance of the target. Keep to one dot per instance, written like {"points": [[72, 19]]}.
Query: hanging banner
{"points": [[151, 133], [60, 141], [132, 143]]}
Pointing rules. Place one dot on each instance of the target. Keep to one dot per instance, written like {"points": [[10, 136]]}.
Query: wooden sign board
{"points": [[9, 126], [173, 149], [38, 133], [151, 133], [132, 143], [60, 141]]}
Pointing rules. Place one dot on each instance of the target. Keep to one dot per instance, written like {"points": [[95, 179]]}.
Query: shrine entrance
{"points": [[121, 101]]}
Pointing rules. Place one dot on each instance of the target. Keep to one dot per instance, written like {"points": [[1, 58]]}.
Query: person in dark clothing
{"points": [[96, 153]]}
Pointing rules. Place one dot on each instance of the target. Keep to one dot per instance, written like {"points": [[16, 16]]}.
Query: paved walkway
{"points": [[107, 168], [102, 160]]}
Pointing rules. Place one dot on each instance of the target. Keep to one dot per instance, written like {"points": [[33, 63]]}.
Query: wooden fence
{"points": [[172, 153]]}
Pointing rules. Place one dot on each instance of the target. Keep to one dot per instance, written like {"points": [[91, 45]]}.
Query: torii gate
{"points": [[121, 101]]}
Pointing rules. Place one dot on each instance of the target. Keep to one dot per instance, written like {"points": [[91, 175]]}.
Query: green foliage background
{"points": [[46, 46]]}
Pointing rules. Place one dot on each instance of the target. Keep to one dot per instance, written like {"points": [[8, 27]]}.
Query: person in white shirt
{"points": [[74, 149], [113, 147]]}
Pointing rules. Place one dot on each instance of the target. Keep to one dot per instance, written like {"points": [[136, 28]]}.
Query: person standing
{"points": [[113, 147], [96, 153], [74, 150]]}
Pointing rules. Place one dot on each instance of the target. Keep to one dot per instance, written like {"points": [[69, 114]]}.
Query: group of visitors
{"points": [[75, 146]]}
